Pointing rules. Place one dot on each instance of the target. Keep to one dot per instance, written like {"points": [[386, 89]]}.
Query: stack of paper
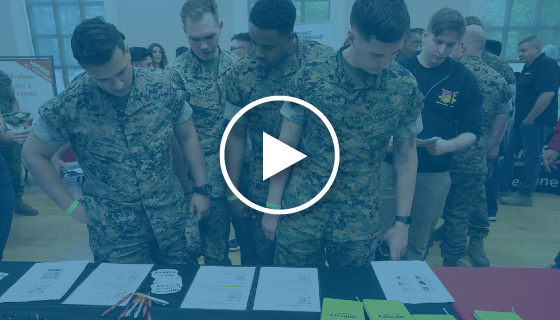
{"points": [[433, 317], [386, 309], [220, 288], [335, 309], [410, 282], [45, 281], [493, 315], [108, 283], [288, 289]]}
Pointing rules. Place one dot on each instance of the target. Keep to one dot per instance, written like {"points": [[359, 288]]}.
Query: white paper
{"points": [[45, 281], [225, 288], [288, 289], [410, 282], [109, 283]]}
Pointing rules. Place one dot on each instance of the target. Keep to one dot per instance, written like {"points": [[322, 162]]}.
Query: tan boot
{"points": [[477, 254], [24, 209]]}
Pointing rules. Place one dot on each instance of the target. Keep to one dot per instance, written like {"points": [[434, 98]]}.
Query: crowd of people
{"points": [[419, 114]]}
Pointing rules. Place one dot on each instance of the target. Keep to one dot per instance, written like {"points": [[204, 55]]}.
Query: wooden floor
{"points": [[521, 238]]}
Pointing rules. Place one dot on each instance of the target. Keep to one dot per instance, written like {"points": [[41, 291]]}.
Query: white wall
{"points": [[14, 29]]}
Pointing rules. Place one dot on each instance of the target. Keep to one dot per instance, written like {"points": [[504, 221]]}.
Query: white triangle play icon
{"points": [[277, 156]]}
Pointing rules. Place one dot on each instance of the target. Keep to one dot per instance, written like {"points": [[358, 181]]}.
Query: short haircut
{"points": [[274, 15], [94, 41], [194, 9], [531, 39], [447, 19], [139, 54], [470, 20], [163, 55], [420, 31], [179, 51], [386, 20], [494, 47], [243, 36]]}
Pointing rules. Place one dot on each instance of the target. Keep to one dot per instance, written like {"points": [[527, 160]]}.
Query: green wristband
{"points": [[72, 207], [273, 206], [231, 198]]}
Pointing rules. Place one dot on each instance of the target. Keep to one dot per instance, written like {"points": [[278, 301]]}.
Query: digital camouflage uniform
{"points": [[130, 190], [246, 82], [365, 111], [499, 65], [207, 101], [466, 200], [12, 155]]}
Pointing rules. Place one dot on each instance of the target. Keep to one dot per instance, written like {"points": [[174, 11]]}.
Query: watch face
{"points": [[205, 189]]}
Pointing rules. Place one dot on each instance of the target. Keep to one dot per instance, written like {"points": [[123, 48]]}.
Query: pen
{"points": [[133, 307], [125, 312], [116, 305], [163, 302], [137, 313], [145, 307]]}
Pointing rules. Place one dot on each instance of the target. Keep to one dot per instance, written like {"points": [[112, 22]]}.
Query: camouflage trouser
{"points": [[214, 233], [244, 237], [122, 233], [465, 214], [297, 246], [264, 247], [12, 155]]}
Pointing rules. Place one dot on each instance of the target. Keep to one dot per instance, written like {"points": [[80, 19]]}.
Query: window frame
{"points": [[64, 66], [534, 28]]}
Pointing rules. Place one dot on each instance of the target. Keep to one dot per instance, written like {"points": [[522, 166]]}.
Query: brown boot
{"points": [[24, 209]]}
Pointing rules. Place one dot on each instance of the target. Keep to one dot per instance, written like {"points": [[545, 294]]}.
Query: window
{"points": [[51, 23], [511, 21], [308, 11]]}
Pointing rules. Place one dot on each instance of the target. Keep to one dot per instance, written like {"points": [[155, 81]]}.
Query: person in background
{"points": [[452, 120], [536, 113], [412, 44], [9, 107], [241, 44], [551, 159], [8, 138], [198, 72], [159, 58], [180, 50], [141, 58]]}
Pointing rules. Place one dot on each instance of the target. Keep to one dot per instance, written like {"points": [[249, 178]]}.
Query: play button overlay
{"points": [[278, 156]]}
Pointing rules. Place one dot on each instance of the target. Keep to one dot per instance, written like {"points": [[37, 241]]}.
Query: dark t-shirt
{"points": [[452, 105], [543, 75]]}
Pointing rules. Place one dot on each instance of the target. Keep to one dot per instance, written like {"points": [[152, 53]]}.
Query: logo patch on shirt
{"points": [[447, 97]]}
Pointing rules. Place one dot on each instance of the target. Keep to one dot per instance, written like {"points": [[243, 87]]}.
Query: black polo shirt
{"points": [[543, 75]]}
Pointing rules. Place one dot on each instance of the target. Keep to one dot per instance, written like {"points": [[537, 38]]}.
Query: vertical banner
{"points": [[320, 32], [548, 182], [33, 80]]}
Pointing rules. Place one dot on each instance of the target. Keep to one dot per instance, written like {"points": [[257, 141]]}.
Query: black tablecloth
{"points": [[337, 283]]}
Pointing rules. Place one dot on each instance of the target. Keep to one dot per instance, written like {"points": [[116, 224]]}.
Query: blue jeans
{"points": [[6, 205], [530, 139], [492, 186]]}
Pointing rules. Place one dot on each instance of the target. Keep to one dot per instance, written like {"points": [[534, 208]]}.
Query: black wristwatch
{"points": [[403, 219], [205, 189]]}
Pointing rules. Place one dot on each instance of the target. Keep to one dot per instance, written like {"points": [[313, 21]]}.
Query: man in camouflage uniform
{"points": [[9, 108], [367, 99], [276, 57], [120, 121], [465, 211], [196, 72]]}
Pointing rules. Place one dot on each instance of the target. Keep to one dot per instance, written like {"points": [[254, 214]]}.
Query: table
{"points": [[533, 293], [338, 283]]}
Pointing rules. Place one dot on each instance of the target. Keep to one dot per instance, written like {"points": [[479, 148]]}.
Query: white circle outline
{"points": [[308, 203]]}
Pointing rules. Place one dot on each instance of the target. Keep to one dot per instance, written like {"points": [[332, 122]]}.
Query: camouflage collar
{"points": [[471, 59], [194, 66], [342, 77], [101, 103], [295, 63]]}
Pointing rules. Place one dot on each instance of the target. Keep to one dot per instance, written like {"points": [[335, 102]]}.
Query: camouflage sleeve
{"points": [[182, 110], [411, 121], [294, 112], [234, 100], [505, 94], [52, 126]]}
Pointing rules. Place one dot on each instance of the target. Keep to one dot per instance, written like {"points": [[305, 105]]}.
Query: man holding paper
{"points": [[120, 121]]}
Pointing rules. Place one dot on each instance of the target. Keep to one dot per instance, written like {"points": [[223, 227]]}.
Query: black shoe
{"points": [[24, 209], [233, 245]]}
